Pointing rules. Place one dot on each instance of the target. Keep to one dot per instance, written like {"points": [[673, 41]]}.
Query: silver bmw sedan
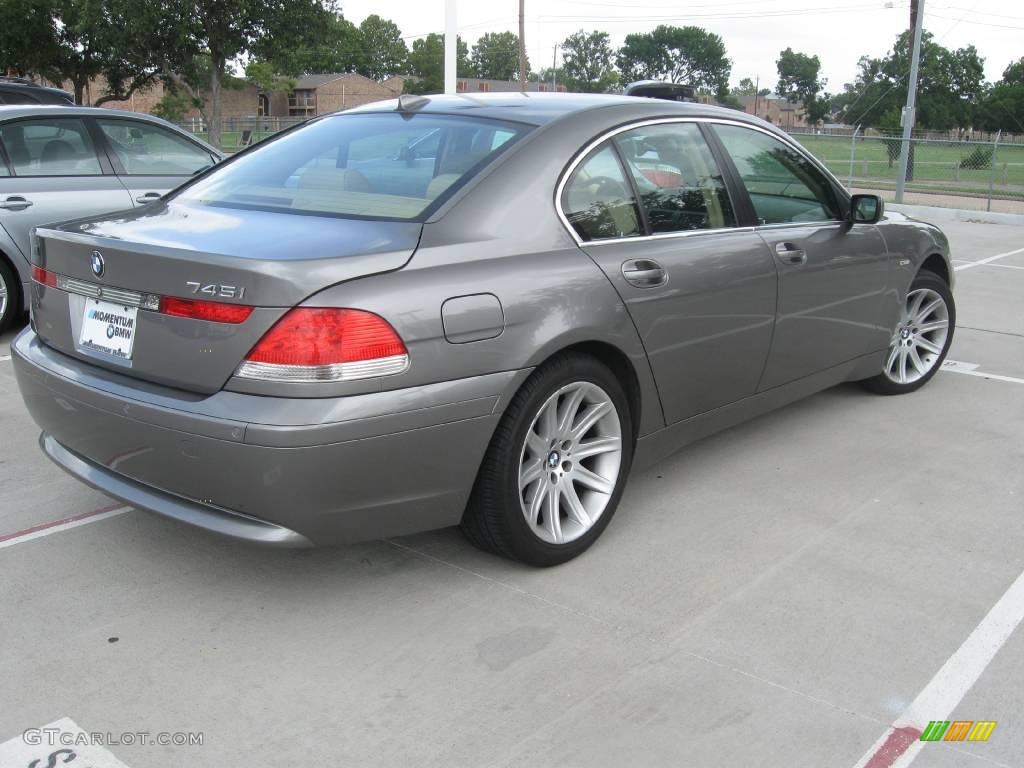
{"points": [[469, 310]]}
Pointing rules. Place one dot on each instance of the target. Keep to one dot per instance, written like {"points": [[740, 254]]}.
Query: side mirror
{"points": [[866, 209]]}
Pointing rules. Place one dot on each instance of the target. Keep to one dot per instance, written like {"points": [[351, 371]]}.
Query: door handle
{"points": [[790, 254], [15, 203], [644, 273], [148, 197]]}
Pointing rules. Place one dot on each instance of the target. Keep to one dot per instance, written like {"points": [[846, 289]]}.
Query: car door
{"points": [[832, 275], [56, 174], [651, 208], [151, 159]]}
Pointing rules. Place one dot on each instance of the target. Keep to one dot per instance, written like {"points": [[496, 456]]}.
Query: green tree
{"points": [[426, 63], [589, 62], [1002, 107], [800, 80], [689, 55], [80, 40], [264, 75], [336, 46], [495, 56], [384, 51], [950, 86]]}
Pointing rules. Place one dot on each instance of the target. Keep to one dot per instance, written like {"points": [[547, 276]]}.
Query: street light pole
{"points": [[908, 112], [451, 41], [522, 46]]}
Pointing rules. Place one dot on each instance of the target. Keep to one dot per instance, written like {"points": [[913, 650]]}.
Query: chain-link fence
{"points": [[239, 132], [983, 175]]}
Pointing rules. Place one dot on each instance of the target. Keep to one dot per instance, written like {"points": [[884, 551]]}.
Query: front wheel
{"points": [[556, 466], [921, 339]]}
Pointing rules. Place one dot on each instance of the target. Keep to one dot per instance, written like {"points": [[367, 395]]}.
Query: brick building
{"points": [[775, 109], [481, 85], [313, 95]]}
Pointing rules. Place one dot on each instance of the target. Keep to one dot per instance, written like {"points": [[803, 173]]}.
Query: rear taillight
{"points": [[311, 344], [44, 277], [214, 311]]}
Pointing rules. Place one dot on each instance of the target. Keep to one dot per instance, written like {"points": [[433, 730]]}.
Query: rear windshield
{"points": [[373, 166]]}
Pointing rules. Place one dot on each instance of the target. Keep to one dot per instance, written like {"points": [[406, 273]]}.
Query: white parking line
{"points": [[971, 369], [988, 260], [901, 743], [4, 358], [56, 526]]}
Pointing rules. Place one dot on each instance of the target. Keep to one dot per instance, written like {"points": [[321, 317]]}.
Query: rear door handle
{"points": [[644, 273], [148, 197], [790, 254], [15, 203]]}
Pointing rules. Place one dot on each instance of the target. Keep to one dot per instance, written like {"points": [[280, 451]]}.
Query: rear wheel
{"points": [[921, 339], [554, 472], [8, 294]]}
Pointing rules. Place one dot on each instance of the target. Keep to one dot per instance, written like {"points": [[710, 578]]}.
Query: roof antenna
{"points": [[407, 102]]}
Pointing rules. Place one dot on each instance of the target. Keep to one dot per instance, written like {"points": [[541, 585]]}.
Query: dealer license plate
{"points": [[109, 328]]}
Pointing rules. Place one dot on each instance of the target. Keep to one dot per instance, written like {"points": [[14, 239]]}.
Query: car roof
{"points": [[541, 107], [12, 111], [17, 85]]}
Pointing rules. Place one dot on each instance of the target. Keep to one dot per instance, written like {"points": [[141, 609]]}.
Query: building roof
{"points": [[312, 82]]}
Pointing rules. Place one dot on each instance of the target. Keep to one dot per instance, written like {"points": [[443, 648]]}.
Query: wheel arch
{"points": [[621, 367], [937, 265]]}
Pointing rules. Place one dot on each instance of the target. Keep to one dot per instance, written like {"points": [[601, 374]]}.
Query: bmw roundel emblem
{"points": [[97, 263]]}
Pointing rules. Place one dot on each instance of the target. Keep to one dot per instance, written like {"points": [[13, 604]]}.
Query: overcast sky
{"points": [[754, 31]]}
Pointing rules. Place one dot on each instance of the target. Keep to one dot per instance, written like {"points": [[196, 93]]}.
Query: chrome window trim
{"points": [[585, 152]]}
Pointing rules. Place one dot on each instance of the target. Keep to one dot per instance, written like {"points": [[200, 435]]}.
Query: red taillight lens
{"points": [[214, 311], [326, 344], [44, 277]]}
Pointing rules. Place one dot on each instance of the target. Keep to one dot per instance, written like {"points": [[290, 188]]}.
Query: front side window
{"points": [[152, 150], [374, 165], [680, 185], [52, 147], [598, 200], [784, 186]]}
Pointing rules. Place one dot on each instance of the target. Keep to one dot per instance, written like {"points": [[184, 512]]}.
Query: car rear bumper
{"points": [[286, 472]]}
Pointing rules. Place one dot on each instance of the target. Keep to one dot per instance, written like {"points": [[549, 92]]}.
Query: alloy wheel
{"points": [[4, 296], [570, 462], [920, 337]]}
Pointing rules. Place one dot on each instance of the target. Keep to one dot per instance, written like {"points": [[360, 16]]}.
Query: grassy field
{"points": [[947, 166]]}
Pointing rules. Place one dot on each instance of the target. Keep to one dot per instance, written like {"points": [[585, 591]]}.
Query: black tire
{"points": [[882, 384], [9, 281], [494, 519]]}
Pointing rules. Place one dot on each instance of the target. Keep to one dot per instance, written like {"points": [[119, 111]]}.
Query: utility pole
{"points": [[451, 41], [757, 92], [522, 46], [917, 13], [554, 66]]}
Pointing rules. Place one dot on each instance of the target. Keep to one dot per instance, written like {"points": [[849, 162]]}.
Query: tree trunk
{"points": [[216, 79], [79, 90]]}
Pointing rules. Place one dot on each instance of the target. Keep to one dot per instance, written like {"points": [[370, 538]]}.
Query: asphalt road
{"points": [[791, 592]]}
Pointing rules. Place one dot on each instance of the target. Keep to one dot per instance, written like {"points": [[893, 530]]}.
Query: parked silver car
{"points": [[62, 162], [475, 310]]}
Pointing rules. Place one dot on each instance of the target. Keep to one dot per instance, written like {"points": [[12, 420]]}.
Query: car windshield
{"points": [[374, 166]]}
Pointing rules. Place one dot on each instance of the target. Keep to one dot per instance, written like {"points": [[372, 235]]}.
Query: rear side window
{"points": [[372, 166], [152, 150], [680, 185], [51, 147], [598, 200], [784, 186]]}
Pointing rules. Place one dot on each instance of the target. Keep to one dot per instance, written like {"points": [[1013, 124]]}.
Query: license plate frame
{"points": [[109, 329]]}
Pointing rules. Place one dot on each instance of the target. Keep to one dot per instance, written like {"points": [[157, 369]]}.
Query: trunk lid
{"points": [[269, 261]]}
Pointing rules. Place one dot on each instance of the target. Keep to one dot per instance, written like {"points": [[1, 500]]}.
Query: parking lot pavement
{"points": [[781, 594]]}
